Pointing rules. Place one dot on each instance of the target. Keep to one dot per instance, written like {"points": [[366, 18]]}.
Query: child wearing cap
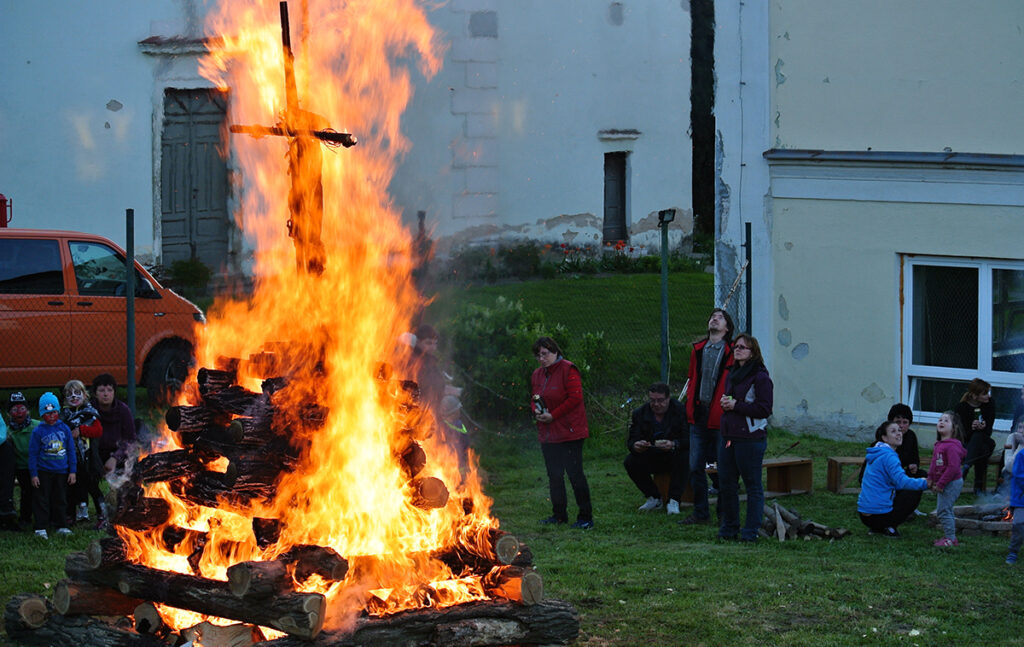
{"points": [[52, 466], [20, 430], [84, 422]]}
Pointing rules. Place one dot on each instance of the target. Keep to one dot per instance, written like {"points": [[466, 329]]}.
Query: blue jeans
{"points": [[702, 442], [944, 507], [740, 458]]}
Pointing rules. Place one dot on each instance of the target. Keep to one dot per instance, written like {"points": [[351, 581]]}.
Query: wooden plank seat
{"points": [[839, 483]]}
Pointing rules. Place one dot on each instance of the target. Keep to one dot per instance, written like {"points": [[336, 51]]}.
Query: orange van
{"points": [[63, 315]]}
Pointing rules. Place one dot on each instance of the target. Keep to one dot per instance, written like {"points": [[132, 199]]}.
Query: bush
{"points": [[493, 346]]}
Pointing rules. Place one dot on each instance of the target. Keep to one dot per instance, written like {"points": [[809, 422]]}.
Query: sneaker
{"points": [[1011, 559], [583, 525], [672, 507], [102, 524], [82, 514], [946, 542], [918, 513], [888, 532], [63, 531], [652, 503], [42, 533], [693, 521], [552, 519]]}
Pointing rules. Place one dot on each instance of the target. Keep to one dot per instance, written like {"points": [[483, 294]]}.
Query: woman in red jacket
{"points": [[557, 405]]}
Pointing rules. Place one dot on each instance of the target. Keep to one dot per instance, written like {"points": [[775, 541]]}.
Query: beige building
{"points": [[877, 151]]}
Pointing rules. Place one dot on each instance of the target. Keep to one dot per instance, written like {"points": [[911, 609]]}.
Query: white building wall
{"points": [[921, 77], [914, 75], [507, 140], [77, 110]]}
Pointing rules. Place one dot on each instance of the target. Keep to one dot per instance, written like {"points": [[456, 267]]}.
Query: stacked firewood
{"points": [[787, 524], [236, 445]]}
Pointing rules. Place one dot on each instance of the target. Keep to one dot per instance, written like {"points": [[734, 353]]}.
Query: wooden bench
{"points": [[836, 481], [788, 475]]}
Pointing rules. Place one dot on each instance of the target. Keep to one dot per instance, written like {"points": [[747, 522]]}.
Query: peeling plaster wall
{"points": [[915, 75], [837, 357], [506, 143]]}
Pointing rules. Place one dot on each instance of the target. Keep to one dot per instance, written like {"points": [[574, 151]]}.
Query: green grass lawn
{"points": [[641, 579], [625, 307]]}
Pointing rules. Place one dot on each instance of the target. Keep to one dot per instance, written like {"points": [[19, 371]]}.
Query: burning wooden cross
{"points": [[304, 130]]}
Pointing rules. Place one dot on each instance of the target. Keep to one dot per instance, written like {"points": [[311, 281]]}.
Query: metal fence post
{"points": [[129, 291], [665, 216]]}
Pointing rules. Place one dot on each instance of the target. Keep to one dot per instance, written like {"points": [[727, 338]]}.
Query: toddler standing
{"points": [[52, 467], [945, 473]]}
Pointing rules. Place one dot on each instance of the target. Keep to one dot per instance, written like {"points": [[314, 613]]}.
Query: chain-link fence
{"points": [[63, 315]]}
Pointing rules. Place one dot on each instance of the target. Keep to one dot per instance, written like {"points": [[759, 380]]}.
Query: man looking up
{"points": [[657, 443], [705, 384]]}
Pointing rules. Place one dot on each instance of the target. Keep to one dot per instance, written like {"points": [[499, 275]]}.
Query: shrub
{"points": [[493, 346]]}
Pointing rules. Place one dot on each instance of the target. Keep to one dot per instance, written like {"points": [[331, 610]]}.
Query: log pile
{"points": [[786, 524], [982, 519], [235, 446]]}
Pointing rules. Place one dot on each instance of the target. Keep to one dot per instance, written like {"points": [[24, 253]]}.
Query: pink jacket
{"points": [[946, 461]]}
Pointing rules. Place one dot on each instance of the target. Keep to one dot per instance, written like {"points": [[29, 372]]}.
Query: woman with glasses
{"points": [[746, 405], [557, 404]]}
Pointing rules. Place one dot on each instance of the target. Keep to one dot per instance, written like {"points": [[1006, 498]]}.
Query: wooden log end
{"points": [[532, 588], [33, 612], [147, 619], [506, 549]]}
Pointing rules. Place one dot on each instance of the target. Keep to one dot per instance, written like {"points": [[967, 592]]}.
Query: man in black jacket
{"points": [[657, 443]]}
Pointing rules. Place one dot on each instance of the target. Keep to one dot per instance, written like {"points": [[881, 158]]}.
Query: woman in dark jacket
{"points": [[746, 405], [557, 404], [977, 414]]}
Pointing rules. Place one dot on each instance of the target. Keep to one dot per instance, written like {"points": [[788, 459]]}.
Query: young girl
{"points": [[84, 422], [945, 475]]}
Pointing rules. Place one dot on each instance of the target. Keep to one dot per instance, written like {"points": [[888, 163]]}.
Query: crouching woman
{"points": [[883, 475], [746, 405]]}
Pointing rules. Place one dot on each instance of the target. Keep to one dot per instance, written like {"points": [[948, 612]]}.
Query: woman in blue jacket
{"points": [[883, 475]]}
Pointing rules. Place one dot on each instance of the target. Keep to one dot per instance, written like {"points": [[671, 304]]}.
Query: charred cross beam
{"points": [[304, 130]]}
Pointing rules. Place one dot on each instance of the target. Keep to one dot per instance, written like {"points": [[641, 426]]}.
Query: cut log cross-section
{"points": [[73, 597], [515, 584]]}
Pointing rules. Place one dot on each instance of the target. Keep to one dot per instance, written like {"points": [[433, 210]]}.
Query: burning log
{"points": [[481, 624], [498, 548], [237, 635], [105, 553], [429, 492], [132, 510], [46, 629], [148, 620], [233, 399], [266, 531], [297, 614], [259, 579], [166, 466], [72, 598], [173, 536], [215, 489], [211, 380], [515, 584], [190, 419], [307, 560], [413, 459]]}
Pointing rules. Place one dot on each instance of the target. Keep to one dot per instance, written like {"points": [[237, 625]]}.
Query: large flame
{"points": [[331, 330]]}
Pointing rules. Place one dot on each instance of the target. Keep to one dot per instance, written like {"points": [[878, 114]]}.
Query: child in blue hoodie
{"points": [[1017, 503], [883, 475], [51, 466]]}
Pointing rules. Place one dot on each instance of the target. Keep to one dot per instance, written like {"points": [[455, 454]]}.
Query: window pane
{"points": [[30, 267], [937, 395], [99, 271], [945, 316], [1008, 320]]}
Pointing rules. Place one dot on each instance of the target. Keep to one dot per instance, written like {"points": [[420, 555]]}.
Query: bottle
{"points": [[538, 405]]}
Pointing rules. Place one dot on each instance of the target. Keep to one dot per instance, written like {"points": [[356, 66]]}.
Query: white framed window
{"points": [[962, 318]]}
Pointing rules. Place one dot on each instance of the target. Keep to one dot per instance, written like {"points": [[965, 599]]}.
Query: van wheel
{"points": [[166, 370]]}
